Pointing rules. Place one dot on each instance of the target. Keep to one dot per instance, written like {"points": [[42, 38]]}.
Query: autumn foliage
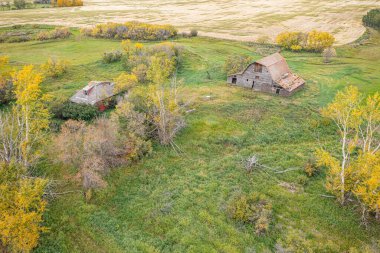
{"points": [[356, 171], [22, 129], [57, 33], [21, 209], [131, 30], [67, 3], [314, 41], [54, 68]]}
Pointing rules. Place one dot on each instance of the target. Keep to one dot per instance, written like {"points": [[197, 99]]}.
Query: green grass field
{"points": [[176, 202]]}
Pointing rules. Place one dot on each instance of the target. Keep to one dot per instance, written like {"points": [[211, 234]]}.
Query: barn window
{"points": [[258, 68], [257, 77], [247, 80]]}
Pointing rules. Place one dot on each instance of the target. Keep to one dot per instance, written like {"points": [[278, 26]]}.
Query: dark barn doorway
{"points": [[234, 80]]}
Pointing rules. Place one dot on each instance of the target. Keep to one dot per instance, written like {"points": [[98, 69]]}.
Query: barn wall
{"points": [[263, 81]]}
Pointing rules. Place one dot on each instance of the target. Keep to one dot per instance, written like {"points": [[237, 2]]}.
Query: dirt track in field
{"points": [[246, 20]]}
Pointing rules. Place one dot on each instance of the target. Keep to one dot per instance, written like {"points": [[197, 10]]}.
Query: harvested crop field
{"points": [[246, 20]]}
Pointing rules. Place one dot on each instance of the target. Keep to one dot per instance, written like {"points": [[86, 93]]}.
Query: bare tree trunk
{"points": [[343, 168], [26, 141]]}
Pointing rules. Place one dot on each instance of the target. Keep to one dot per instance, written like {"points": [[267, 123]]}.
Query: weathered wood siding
{"points": [[259, 81]]}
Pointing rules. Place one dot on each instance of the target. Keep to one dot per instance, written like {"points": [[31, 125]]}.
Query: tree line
{"points": [[130, 30]]}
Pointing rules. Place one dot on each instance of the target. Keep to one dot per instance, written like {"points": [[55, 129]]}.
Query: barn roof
{"points": [[94, 92], [271, 59]]}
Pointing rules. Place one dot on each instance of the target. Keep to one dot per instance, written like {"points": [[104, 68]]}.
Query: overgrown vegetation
{"points": [[57, 33], [131, 30], [69, 110], [102, 145], [252, 209], [54, 68], [112, 56]]}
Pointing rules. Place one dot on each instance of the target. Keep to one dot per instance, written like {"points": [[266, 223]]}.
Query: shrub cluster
{"points": [[24, 33], [19, 4], [192, 33], [252, 209], [105, 144], [314, 41], [57, 33], [54, 68], [372, 18], [69, 110], [131, 30], [14, 37], [138, 59], [112, 56]]}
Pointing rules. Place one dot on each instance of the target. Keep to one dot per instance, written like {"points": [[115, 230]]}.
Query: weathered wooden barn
{"points": [[95, 93], [270, 74]]}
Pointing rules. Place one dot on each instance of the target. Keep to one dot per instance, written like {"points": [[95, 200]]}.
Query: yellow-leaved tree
{"points": [[21, 209], [365, 177], [317, 41], [31, 104], [344, 112], [22, 131], [357, 170], [159, 100], [125, 82], [160, 69]]}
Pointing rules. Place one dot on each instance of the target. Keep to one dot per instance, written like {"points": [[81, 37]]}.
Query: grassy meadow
{"points": [[176, 201]]}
